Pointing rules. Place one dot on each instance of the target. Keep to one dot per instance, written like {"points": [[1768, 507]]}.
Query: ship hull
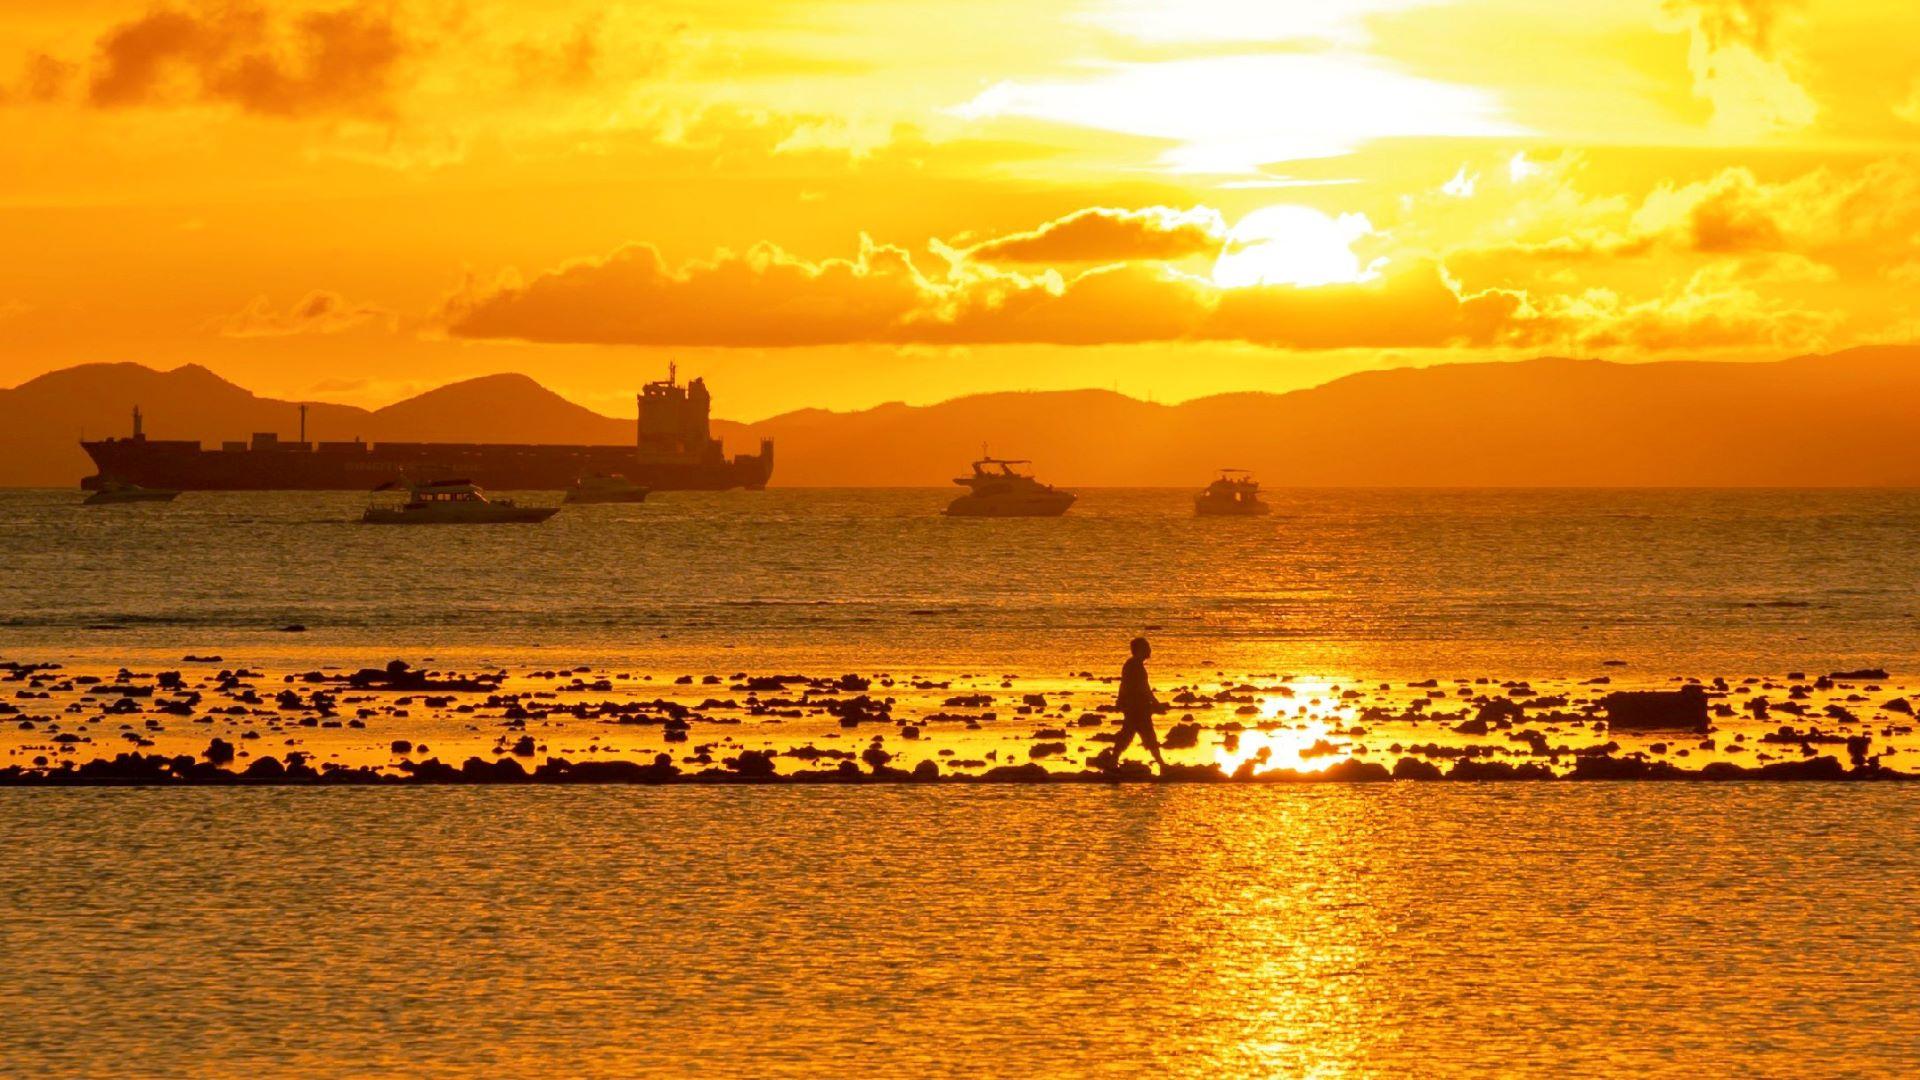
{"points": [[113, 497], [500, 467]]}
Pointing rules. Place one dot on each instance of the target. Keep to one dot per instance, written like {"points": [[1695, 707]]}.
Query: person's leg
{"points": [[1126, 738], [1151, 740]]}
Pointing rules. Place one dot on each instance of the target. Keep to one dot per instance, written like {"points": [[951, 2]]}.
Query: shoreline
{"points": [[209, 721], [151, 771]]}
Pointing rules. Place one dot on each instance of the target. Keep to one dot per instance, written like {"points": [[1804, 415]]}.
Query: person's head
{"points": [[1141, 650]]}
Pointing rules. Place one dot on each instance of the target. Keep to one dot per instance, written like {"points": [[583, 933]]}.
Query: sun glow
{"points": [[1293, 245], [1235, 114], [1307, 747], [1244, 20], [1301, 728]]}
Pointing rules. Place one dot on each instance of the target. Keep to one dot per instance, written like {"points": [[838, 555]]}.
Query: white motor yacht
{"points": [[1000, 488], [1235, 494]]}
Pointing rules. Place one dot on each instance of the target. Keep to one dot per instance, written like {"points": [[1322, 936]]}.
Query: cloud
{"points": [[1125, 304], [1741, 67], [318, 312], [1908, 108], [1733, 260], [43, 78], [1732, 212], [1102, 234], [1417, 307], [764, 297], [1710, 310], [1823, 207], [571, 61], [767, 298], [338, 61]]}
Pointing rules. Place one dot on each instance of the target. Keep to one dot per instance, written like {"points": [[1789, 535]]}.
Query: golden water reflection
{"points": [[1471, 929]]}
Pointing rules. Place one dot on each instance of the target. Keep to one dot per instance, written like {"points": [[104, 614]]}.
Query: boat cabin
{"points": [[442, 492]]}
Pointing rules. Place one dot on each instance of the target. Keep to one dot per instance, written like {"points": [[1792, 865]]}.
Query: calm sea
{"points": [[1403, 930], [1336, 582], [1400, 930]]}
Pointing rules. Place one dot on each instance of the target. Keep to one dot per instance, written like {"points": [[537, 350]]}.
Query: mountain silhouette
{"points": [[494, 408], [1843, 419]]}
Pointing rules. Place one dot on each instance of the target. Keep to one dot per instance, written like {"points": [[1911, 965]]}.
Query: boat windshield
{"points": [[998, 467]]}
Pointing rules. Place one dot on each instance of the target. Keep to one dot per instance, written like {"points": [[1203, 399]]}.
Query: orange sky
{"points": [[845, 203]]}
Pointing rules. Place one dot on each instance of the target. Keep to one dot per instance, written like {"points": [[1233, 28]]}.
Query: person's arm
{"points": [[1133, 686]]}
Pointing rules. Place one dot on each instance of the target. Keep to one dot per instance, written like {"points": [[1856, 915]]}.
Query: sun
{"points": [[1293, 245]]}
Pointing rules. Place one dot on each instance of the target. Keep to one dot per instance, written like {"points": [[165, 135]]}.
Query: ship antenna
{"points": [[136, 422], [303, 423], [673, 371]]}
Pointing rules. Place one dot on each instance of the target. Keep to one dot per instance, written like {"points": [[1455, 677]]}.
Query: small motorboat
{"points": [[113, 492], [1000, 488], [454, 502], [606, 488], [1235, 494]]}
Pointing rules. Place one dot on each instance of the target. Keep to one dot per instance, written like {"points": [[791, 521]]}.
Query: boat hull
{"points": [[1205, 507], [1050, 505], [493, 515]]}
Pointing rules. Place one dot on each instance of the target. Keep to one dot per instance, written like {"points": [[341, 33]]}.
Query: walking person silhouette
{"points": [[1137, 703]]}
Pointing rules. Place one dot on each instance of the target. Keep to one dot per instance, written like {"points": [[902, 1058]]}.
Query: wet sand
{"points": [[212, 720]]}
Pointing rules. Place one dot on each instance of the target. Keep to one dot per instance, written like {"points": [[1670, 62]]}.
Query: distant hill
{"points": [[1848, 418], [494, 408]]}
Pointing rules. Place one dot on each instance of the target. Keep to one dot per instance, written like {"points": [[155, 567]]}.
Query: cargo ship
{"points": [[673, 450]]}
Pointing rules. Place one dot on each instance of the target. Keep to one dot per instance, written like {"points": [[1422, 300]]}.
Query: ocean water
{"points": [[1404, 929], [1336, 582], [1398, 930]]}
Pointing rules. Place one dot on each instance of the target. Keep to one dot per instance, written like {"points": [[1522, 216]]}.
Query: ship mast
{"points": [[137, 432]]}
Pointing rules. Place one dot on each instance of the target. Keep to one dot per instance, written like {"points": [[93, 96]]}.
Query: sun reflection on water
{"points": [[1293, 963], [1303, 728]]}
